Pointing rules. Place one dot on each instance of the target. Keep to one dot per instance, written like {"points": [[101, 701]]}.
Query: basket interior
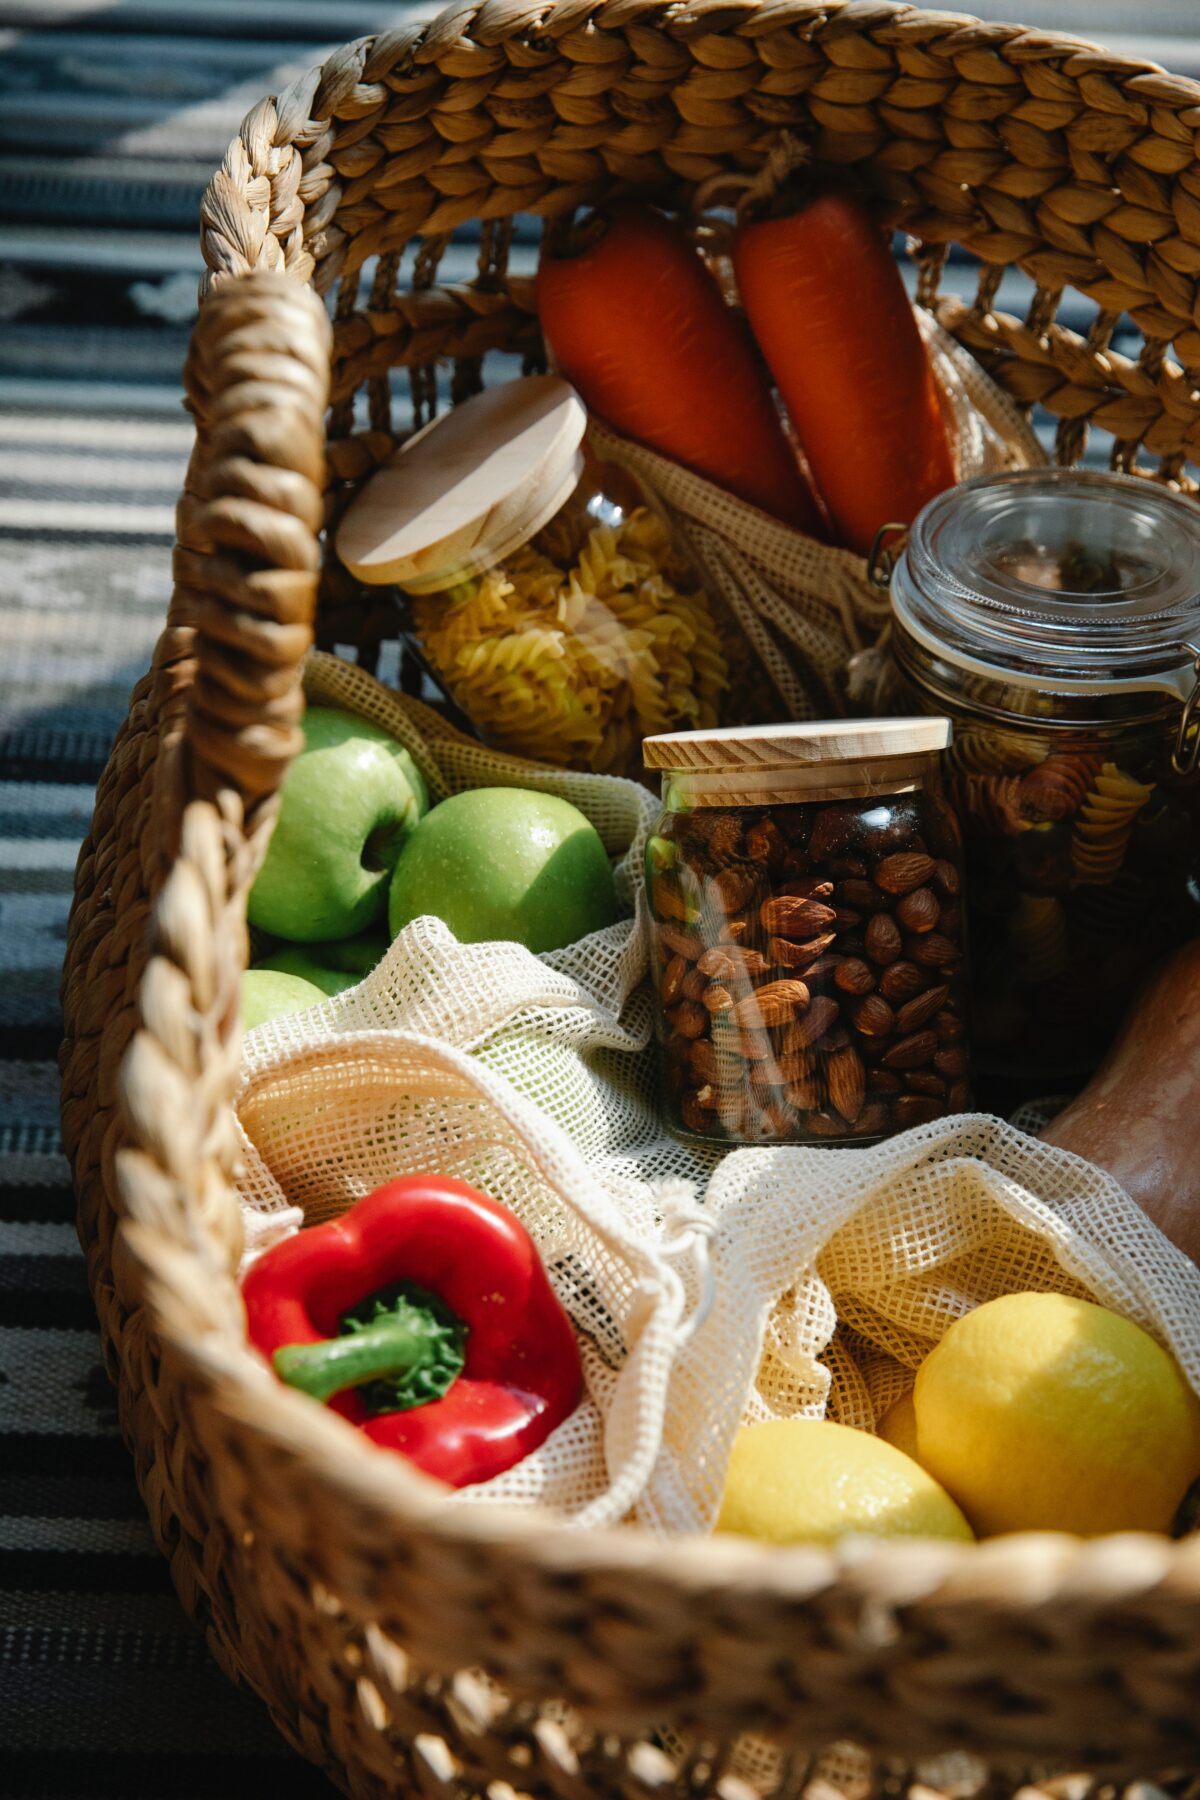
{"points": [[1044, 195]]}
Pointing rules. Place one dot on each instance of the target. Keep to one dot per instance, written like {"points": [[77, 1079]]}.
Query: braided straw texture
{"points": [[308, 1557]]}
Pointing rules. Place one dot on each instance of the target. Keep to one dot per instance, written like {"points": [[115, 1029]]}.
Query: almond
{"points": [[795, 822], [872, 1121], [719, 836], [764, 1079], [717, 999], [846, 919], [852, 866], [916, 1109], [790, 916], [847, 1082], [732, 888], [951, 1061], [808, 887], [905, 870], [933, 950], [776, 1122], [834, 829], [825, 966], [776, 1003], [755, 1046], [836, 1038], [959, 1097], [806, 1093], [919, 910], [873, 1016], [823, 1124], [672, 980], [920, 1010], [895, 834], [669, 903], [911, 1052], [945, 877], [814, 1023], [882, 938], [695, 983], [901, 982], [731, 962], [853, 976], [786, 954], [733, 1110], [924, 1081], [765, 843], [951, 919], [734, 930], [693, 1115], [711, 1066], [884, 1082], [687, 1019], [949, 1028], [680, 943], [797, 1065], [856, 892]]}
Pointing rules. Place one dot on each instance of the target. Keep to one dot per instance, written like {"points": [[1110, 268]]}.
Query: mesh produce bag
{"points": [[706, 1289]]}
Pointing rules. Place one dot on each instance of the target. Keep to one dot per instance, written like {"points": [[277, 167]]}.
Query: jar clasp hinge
{"points": [[1186, 754], [881, 559]]}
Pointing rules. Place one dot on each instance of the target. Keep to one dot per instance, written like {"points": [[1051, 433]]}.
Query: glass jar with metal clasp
{"points": [[1054, 616]]}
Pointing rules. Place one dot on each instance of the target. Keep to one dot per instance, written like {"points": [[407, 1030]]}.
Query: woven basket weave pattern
{"points": [[307, 1557]]}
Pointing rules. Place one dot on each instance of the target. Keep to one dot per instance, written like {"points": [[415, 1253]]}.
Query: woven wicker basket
{"points": [[310, 1558]]}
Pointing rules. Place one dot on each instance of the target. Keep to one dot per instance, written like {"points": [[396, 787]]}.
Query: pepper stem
{"points": [[403, 1346]]}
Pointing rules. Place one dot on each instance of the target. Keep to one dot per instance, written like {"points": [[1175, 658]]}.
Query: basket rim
{"points": [[309, 103]]}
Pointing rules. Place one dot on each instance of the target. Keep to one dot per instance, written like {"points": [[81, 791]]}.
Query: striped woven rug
{"points": [[112, 114]]}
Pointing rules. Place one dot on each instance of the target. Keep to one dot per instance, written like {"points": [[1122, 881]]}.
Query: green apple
{"points": [[269, 993], [331, 967], [350, 800], [505, 863]]}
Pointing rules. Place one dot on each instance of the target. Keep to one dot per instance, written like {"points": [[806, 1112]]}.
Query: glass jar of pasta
{"points": [[807, 938], [549, 602], [1055, 616]]}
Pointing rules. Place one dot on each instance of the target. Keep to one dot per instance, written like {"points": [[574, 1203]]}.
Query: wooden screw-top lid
{"points": [[826, 741], [770, 765], [469, 489]]}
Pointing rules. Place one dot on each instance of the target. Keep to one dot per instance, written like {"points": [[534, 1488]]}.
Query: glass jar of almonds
{"points": [[808, 950]]}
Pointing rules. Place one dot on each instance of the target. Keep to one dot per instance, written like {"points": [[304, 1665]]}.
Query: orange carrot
{"points": [[637, 323], [827, 304]]}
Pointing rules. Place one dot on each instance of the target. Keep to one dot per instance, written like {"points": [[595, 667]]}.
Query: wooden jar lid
{"points": [[469, 489], [775, 765], [825, 742]]}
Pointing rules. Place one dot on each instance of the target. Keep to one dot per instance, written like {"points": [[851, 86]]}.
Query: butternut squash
{"points": [[1139, 1115]]}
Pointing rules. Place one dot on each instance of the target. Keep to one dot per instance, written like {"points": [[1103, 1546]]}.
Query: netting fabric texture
{"points": [[707, 1290]]}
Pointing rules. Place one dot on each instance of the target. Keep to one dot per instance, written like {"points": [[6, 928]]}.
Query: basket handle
{"points": [[225, 701], [228, 668]]}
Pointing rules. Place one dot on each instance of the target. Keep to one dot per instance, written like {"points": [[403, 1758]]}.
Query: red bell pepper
{"points": [[424, 1315]]}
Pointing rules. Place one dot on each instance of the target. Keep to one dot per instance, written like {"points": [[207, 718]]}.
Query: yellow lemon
{"points": [[1043, 1413], [809, 1481], [899, 1425]]}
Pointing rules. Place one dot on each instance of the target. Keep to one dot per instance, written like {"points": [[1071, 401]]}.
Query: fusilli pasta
{"points": [[1105, 821], [575, 664], [1057, 787]]}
